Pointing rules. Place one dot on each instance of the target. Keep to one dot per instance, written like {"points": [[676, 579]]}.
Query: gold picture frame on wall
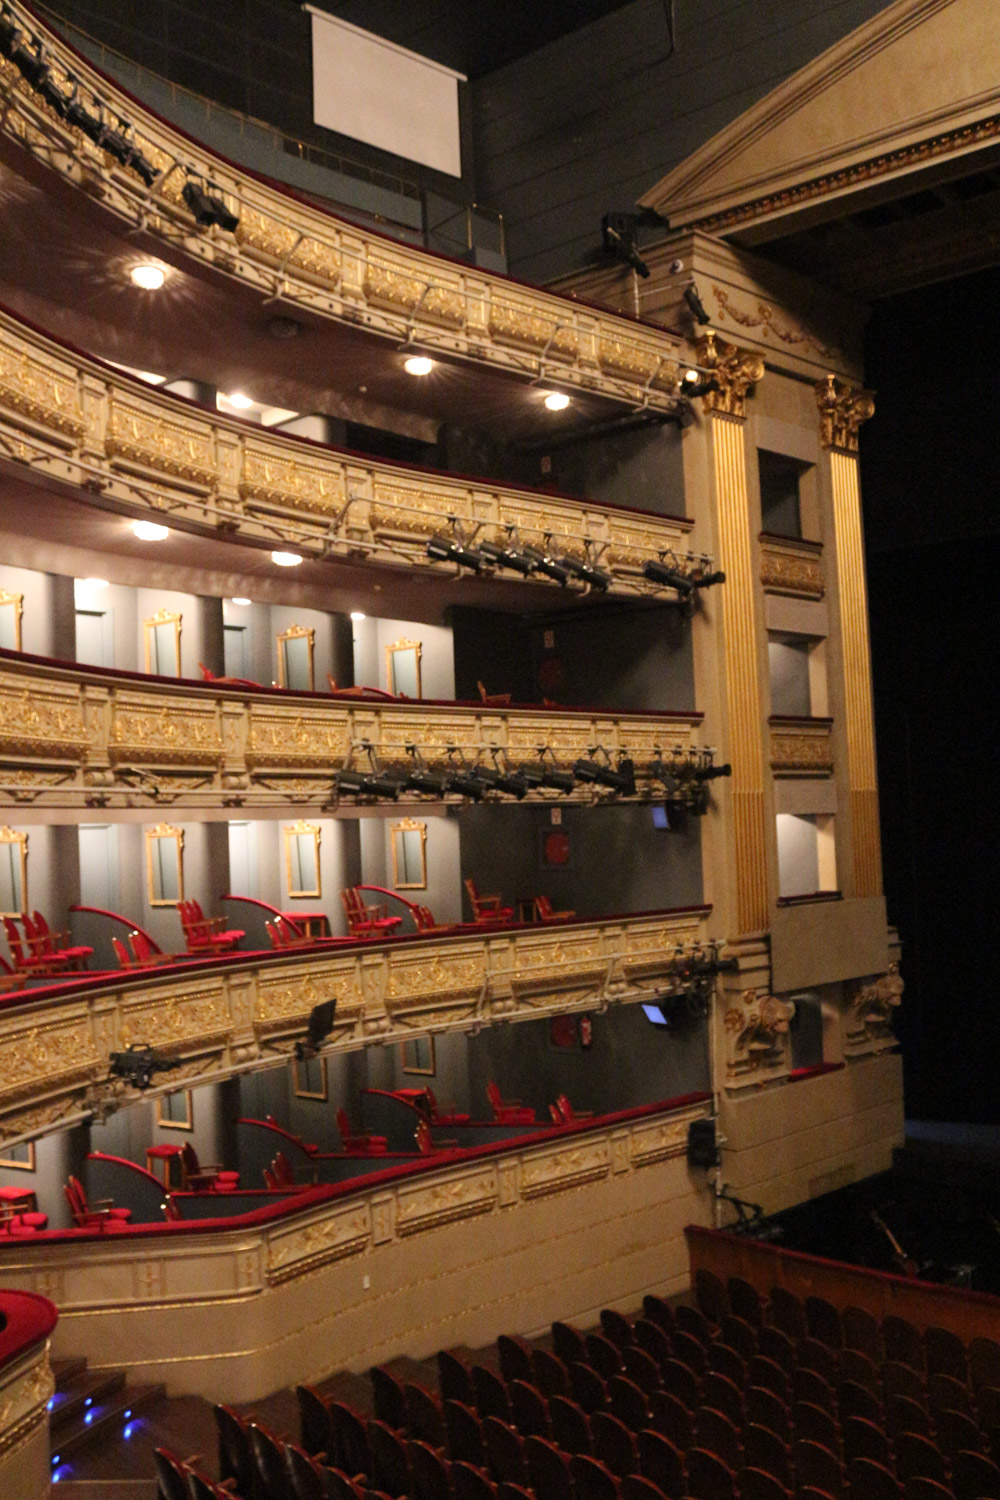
{"points": [[175, 1111], [296, 653], [310, 1078], [409, 855], [302, 867], [418, 1056], [11, 611], [13, 872], [19, 1157], [165, 865], [402, 669], [162, 640]]}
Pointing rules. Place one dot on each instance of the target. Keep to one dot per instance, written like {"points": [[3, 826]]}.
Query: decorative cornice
{"points": [[842, 409], [735, 370], [786, 568]]}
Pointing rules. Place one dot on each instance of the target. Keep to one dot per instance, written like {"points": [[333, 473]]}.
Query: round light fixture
{"points": [[286, 559], [557, 401], [149, 276], [418, 364], [92, 583], [691, 375], [356, 615], [242, 603], [150, 531], [241, 402]]}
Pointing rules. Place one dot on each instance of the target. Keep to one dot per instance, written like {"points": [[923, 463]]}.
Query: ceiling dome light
{"points": [[149, 276], [242, 603], [557, 401], [356, 615], [241, 402], [286, 559], [418, 364], [150, 531], [92, 583]]}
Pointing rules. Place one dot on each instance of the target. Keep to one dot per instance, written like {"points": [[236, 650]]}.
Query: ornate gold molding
{"points": [[735, 369], [143, 451], [803, 748], [286, 248], [842, 409], [786, 568], [72, 737], [219, 1019]]}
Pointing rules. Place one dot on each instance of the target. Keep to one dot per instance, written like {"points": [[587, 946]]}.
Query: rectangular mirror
{"points": [[402, 668], [295, 658], [310, 1078], [175, 1111], [162, 636], [409, 855], [418, 1056], [302, 859], [13, 872], [11, 608], [165, 865]]}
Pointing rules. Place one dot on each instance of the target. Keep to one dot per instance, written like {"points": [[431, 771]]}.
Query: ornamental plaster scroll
{"points": [[756, 1028], [870, 1007], [24, 1395], [842, 409], [736, 370], [764, 316]]}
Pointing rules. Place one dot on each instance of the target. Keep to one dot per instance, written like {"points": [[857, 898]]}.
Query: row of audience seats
{"points": [[38, 951]]}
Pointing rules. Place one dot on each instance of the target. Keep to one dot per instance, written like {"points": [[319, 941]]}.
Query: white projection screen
{"points": [[374, 91]]}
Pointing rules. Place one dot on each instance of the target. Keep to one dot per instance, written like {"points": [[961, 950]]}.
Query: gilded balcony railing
{"points": [[219, 1018], [74, 737], [285, 247], [81, 422]]}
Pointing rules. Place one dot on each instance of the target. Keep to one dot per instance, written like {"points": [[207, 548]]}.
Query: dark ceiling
{"points": [[472, 36]]}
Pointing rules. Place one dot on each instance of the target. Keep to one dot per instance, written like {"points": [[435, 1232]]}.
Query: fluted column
{"points": [[842, 410], [735, 370]]}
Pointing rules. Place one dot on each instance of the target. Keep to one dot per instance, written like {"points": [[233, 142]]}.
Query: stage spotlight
{"points": [[320, 1025], [692, 387], [208, 208], [351, 783], [507, 557], [469, 784], [502, 779], [667, 577], [451, 549], [31, 65], [368, 784], [620, 778], [695, 304], [429, 783], [596, 578], [53, 95], [618, 232], [77, 114], [542, 563]]}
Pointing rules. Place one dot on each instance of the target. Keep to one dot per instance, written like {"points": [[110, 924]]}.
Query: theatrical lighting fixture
{"points": [[547, 774], [353, 782], [357, 616], [208, 208], [619, 234], [429, 783], [320, 1025], [239, 400], [587, 572], [77, 114], [53, 95], [31, 65], [241, 602], [557, 401], [418, 364], [138, 1063], [692, 386], [668, 577], [150, 531], [502, 778], [695, 304], [148, 276], [542, 563], [685, 776], [465, 779], [455, 549], [620, 778], [286, 559], [507, 556]]}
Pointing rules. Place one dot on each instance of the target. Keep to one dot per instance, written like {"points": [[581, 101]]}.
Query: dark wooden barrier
{"points": [[924, 1303]]}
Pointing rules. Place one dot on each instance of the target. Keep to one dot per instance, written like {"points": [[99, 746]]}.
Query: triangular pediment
{"points": [[916, 88]]}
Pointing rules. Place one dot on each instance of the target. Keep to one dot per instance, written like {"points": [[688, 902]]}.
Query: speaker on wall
{"points": [[701, 1148]]}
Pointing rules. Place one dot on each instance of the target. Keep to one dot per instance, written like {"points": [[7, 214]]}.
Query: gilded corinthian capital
{"points": [[735, 370], [842, 409]]}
